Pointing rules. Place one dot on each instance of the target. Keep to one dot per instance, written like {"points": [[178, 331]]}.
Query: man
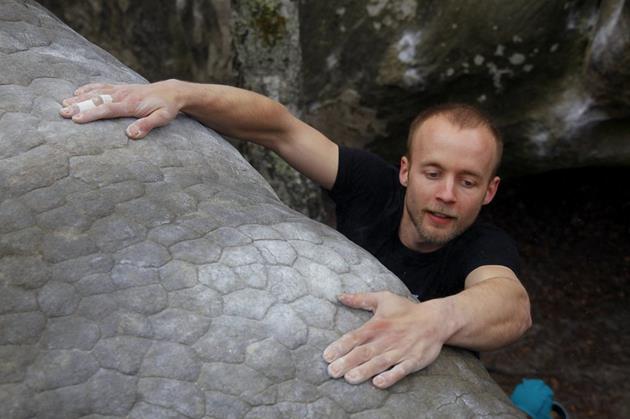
{"points": [[418, 220]]}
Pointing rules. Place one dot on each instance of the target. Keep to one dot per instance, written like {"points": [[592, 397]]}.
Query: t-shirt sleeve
{"points": [[361, 173], [363, 191]]}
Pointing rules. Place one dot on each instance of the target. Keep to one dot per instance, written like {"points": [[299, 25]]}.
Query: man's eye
{"points": [[468, 183], [432, 175]]}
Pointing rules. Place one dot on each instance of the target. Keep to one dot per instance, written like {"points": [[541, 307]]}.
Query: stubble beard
{"points": [[433, 236]]}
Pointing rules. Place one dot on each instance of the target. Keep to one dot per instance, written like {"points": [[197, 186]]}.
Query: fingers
{"points": [[103, 111], [373, 366], [392, 376], [357, 356], [91, 87], [94, 97], [89, 92], [365, 301], [103, 101], [380, 367], [74, 107], [360, 365], [344, 344], [143, 126]]}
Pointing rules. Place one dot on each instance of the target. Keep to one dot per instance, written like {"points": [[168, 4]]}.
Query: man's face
{"points": [[448, 176]]}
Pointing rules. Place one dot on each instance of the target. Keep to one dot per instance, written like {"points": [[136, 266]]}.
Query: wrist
{"points": [[448, 317], [179, 93], [194, 99]]}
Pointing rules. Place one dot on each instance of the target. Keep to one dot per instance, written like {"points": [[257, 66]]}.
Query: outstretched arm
{"points": [[403, 336], [229, 110]]}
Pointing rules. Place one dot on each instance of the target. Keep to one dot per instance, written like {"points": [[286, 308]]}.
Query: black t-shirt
{"points": [[369, 203]]}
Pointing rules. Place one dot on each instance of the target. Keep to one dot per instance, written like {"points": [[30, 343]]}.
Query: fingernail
{"points": [[77, 117], [65, 111], [351, 376], [329, 355], [333, 371], [133, 132], [379, 381]]}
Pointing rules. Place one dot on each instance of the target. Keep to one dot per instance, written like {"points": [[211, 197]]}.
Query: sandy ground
{"points": [[573, 229]]}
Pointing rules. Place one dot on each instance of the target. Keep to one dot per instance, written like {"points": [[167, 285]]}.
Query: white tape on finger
{"points": [[94, 102], [86, 105]]}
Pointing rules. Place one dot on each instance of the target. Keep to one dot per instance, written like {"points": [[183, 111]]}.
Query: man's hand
{"points": [[231, 111], [402, 334], [154, 104]]}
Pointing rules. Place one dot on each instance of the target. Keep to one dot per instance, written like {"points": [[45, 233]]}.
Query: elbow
{"points": [[281, 135]]}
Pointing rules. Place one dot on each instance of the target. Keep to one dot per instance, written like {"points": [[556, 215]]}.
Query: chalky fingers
{"points": [[350, 361], [94, 102], [74, 107], [392, 376], [371, 367], [89, 96], [103, 111], [347, 342]]}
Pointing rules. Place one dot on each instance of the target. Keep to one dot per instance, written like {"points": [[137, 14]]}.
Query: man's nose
{"points": [[446, 191]]}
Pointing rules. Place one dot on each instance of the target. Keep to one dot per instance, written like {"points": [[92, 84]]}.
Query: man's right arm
{"points": [[229, 110]]}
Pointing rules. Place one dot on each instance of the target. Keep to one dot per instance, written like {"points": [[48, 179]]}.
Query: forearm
{"points": [[234, 112], [487, 315], [252, 117]]}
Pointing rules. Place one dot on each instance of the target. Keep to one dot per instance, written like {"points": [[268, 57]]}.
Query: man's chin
{"points": [[438, 237]]}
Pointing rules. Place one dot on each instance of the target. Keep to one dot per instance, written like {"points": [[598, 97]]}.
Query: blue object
{"points": [[533, 397]]}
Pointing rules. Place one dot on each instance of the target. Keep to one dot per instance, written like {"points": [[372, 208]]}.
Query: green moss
{"points": [[268, 21]]}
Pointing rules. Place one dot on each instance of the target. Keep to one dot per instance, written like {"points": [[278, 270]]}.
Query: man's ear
{"points": [[403, 174], [493, 185]]}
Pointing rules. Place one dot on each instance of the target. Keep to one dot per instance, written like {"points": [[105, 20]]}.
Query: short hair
{"points": [[463, 116]]}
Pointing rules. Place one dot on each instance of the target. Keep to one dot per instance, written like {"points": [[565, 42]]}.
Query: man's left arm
{"points": [[403, 336], [491, 312]]}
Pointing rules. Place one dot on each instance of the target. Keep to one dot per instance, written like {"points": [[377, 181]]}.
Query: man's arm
{"points": [[229, 110], [492, 311]]}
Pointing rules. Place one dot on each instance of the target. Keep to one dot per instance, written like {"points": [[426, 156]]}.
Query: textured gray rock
{"points": [[163, 278]]}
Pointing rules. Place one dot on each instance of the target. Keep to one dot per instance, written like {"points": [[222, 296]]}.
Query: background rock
{"points": [[269, 61], [523, 61], [553, 73]]}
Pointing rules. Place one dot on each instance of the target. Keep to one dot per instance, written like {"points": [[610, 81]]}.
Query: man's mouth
{"points": [[441, 215], [438, 218]]}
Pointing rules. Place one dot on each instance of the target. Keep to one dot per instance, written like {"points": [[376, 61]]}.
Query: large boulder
{"points": [[163, 278]]}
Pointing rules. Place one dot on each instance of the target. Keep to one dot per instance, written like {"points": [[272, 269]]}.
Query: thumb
{"points": [[143, 126], [362, 300]]}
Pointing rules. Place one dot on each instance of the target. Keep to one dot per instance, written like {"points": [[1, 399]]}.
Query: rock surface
{"points": [[163, 278]]}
